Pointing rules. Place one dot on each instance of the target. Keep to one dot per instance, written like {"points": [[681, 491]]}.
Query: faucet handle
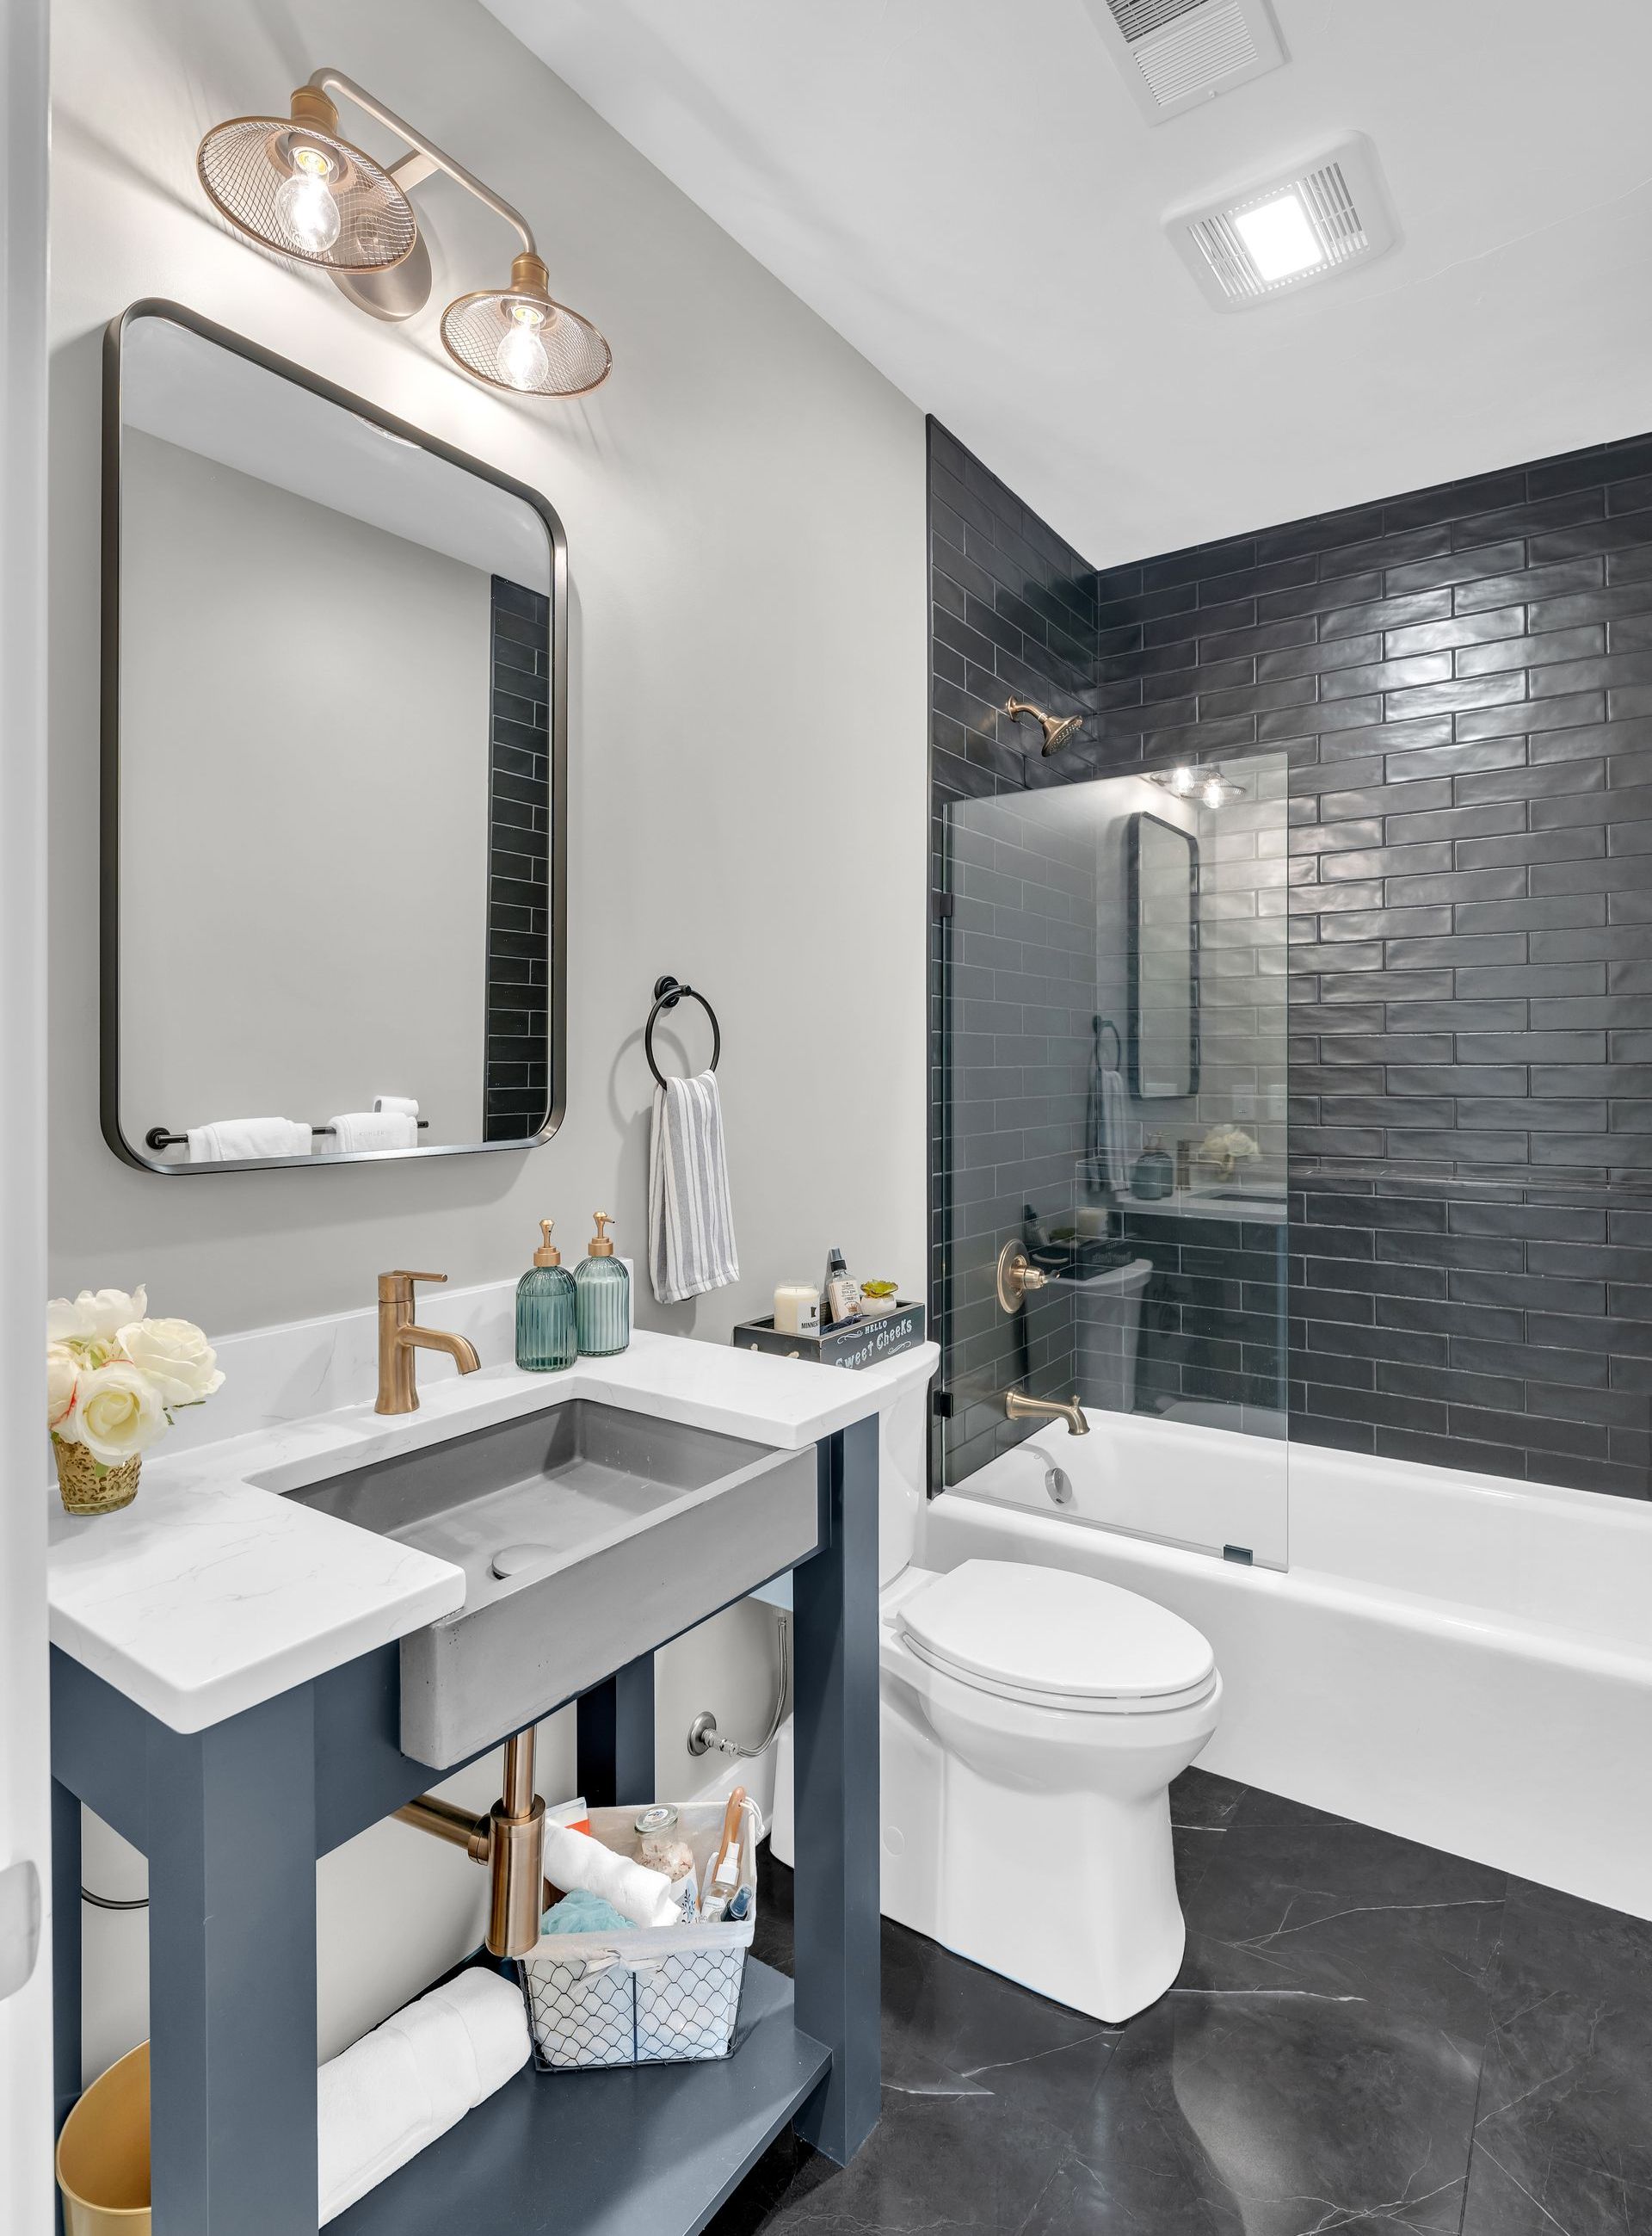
{"points": [[400, 1273]]}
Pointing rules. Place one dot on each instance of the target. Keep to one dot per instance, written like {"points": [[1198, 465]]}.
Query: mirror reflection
{"points": [[1164, 959], [335, 766]]}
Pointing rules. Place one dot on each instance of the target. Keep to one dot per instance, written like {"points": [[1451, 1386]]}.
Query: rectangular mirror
{"points": [[1164, 908], [334, 714]]}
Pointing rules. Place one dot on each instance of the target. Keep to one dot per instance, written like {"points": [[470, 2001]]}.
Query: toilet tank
{"points": [[903, 1476]]}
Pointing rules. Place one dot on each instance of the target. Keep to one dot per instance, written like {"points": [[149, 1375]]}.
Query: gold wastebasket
{"points": [[103, 2153]]}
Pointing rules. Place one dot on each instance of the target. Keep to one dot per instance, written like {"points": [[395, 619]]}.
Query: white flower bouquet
{"points": [[1226, 1147], [115, 1378]]}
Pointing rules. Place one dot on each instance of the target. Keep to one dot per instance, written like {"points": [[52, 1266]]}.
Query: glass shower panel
{"points": [[1113, 1090]]}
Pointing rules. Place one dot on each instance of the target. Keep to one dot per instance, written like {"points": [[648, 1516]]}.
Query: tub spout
{"points": [[1021, 1407]]}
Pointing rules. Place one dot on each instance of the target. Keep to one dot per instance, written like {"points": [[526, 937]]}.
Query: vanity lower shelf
{"points": [[656, 2147]]}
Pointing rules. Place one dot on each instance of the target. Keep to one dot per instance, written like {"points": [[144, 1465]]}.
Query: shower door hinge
{"points": [[942, 1405], [939, 905]]}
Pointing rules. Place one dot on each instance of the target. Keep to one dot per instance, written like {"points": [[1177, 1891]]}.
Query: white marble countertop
{"points": [[213, 1591]]}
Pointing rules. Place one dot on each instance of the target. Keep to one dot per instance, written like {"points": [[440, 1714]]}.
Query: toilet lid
{"points": [[1049, 1633]]}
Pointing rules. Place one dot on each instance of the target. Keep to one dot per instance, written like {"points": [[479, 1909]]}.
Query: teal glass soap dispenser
{"points": [[603, 1287], [546, 1311]]}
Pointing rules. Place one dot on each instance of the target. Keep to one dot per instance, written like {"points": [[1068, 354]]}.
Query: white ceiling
{"points": [[966, 191]]}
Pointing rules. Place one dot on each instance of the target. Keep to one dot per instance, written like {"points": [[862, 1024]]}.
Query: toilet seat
{"points": [[1052, 1640]]}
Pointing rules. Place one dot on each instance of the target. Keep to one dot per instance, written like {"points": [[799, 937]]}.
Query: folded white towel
{"points": [[576, 1859], [690, 1226], [374, 1129], [405, 1106], [397, 2089], [227, 1139], [1114, 1109]]}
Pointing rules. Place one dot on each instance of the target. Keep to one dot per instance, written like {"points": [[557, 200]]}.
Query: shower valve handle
{"points": [[1016, 1275]]}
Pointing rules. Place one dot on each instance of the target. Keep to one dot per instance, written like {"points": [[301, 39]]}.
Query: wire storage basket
{"points": [[650, 1996]]}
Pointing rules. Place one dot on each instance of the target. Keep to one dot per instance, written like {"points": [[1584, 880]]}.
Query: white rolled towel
{"points": [[225, 1140], [374, 1129], [577, 1859], [387, 2096], [402, 1106]]}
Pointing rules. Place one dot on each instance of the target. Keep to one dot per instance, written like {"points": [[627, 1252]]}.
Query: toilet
{"points": [[1031, 1722]]}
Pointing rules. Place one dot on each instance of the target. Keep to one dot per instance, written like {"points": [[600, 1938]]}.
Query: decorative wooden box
{"points": [[853, 1343]]}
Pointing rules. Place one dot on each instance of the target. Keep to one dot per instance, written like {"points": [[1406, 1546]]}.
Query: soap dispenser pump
{"points": [[546, 1311], [603, 1287]]}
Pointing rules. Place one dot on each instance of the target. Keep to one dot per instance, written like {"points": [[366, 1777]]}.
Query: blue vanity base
{"points": [[233, 1819]]}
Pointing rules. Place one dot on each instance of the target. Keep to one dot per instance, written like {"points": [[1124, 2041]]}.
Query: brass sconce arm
{"points": [[426, 156]]}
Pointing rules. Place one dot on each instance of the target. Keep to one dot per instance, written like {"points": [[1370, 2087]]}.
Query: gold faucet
{"points": [[1020, 1408], [400, 1335]]}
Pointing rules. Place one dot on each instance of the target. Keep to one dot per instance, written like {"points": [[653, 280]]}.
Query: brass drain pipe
{"points": [[509, 1839]]}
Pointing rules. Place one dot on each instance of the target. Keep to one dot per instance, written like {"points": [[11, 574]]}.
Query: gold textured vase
{"points": [[88, 1488]]}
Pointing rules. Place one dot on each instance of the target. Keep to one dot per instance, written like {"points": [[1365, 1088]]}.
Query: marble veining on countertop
{"points": [[214, 1591]]}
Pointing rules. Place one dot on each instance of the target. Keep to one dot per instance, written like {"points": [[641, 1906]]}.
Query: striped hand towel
{"points": [[691, 1227]]}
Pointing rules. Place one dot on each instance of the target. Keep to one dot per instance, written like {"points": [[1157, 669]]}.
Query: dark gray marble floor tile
{"points": [[1205, 1798], [1203, 1807], [1237, 2114], [1310, 1905], [952, 2026], [1563, 2136]]}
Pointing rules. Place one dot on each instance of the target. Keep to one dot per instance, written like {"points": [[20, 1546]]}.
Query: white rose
{"points": [[111, 1309], [120, 1413], [63, 1369], [67, 1322], [96, 1316], [176, 1357]]}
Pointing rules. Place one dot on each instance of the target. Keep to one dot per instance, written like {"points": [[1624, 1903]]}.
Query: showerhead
{"points": [[1059, 729]]}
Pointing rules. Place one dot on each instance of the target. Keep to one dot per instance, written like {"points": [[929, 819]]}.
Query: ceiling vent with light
{"points": [[1174, 55], [1303, 224]]}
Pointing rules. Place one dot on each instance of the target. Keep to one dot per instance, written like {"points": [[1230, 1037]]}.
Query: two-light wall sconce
{"points": [[293, 185]]}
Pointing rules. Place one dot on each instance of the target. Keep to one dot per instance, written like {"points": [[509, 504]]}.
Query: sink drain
{"points": [[511, 1559]]}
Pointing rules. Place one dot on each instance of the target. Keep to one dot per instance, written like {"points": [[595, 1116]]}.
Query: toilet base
{"points": [[1069, 1889]]}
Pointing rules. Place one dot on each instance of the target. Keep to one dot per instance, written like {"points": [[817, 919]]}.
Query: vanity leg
{"points": [[233, 1973], [66, 1952], [835, 1731], [616, 1737]]}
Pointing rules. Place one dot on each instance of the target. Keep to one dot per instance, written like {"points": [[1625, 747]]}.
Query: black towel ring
{"points": [[667, 993]]}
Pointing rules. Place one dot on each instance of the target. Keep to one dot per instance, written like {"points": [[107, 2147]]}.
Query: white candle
{"points": [[796, 1309]]}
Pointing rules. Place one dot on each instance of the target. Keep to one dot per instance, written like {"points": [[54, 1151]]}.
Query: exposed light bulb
{"points": [[1182, 781], [522, 360], [307, 208], [1215, 792]]}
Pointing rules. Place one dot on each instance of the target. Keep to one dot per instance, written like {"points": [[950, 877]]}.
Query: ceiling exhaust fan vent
{"points": [[1304, 225], [1175, 55], [1135, 18]]}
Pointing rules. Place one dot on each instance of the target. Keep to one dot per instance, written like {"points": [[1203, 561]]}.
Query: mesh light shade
{"points": [[483, 331], [243, 166]]}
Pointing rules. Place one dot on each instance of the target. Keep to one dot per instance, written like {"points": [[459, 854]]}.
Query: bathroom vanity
{"points": [[295, 1631]]}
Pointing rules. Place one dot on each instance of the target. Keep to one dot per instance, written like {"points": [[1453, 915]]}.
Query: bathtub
{"points": [[1458, 1659]]}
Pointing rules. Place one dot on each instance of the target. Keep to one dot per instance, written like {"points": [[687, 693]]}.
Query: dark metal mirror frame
{"points": [[109, 876], [1133, 906]]}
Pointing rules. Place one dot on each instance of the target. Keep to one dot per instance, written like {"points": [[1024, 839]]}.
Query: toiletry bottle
{"points": [[1154, 1175], [546, 1311], [604, 1288], [843, 1295]]}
